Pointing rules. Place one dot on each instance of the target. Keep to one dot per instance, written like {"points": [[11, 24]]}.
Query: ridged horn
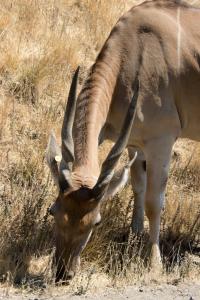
{"points": [[66, 133], [110, 163]]}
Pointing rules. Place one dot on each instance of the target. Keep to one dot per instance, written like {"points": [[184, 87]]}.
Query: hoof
{"points": [[155, 260]]}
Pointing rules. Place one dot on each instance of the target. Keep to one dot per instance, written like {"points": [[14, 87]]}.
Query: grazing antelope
{"points": [[156, 44]]}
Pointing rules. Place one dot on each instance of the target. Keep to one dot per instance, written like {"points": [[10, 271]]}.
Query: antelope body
{"points": [[158, 44]]}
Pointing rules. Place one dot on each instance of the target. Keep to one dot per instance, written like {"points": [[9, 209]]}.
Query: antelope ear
{"points": [[53, 157], [119, 180]]}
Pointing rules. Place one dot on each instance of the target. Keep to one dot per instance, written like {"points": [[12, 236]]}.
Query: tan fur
{"points": [[158, 42]]}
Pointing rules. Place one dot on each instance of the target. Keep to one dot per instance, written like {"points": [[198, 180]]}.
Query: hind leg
{"points": [[138, 181]]}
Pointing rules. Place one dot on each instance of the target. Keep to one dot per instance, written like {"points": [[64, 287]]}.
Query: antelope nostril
{"points": [[53, 209]]}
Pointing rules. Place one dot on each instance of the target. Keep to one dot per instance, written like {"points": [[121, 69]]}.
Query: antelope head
{"points": [[77, 208]]}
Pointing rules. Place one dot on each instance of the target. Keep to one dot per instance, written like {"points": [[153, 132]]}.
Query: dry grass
{"points": [[42, 42]]}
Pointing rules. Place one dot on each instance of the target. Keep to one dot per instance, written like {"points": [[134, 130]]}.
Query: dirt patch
{"points": [[184, 291]]}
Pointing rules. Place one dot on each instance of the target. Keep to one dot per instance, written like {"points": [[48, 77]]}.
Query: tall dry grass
{"points": [[41, 43]]}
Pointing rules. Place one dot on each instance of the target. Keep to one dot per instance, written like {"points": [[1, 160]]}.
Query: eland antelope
{"points": [[151, 56]]}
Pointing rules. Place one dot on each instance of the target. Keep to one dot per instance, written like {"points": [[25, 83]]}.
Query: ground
{"points": [[183, 291]]}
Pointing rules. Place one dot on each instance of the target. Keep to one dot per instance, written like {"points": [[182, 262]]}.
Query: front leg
{"points": [[158, 154]]}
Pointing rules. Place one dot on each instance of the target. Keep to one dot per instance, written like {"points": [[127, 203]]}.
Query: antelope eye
{"points": [[97, 224]]}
